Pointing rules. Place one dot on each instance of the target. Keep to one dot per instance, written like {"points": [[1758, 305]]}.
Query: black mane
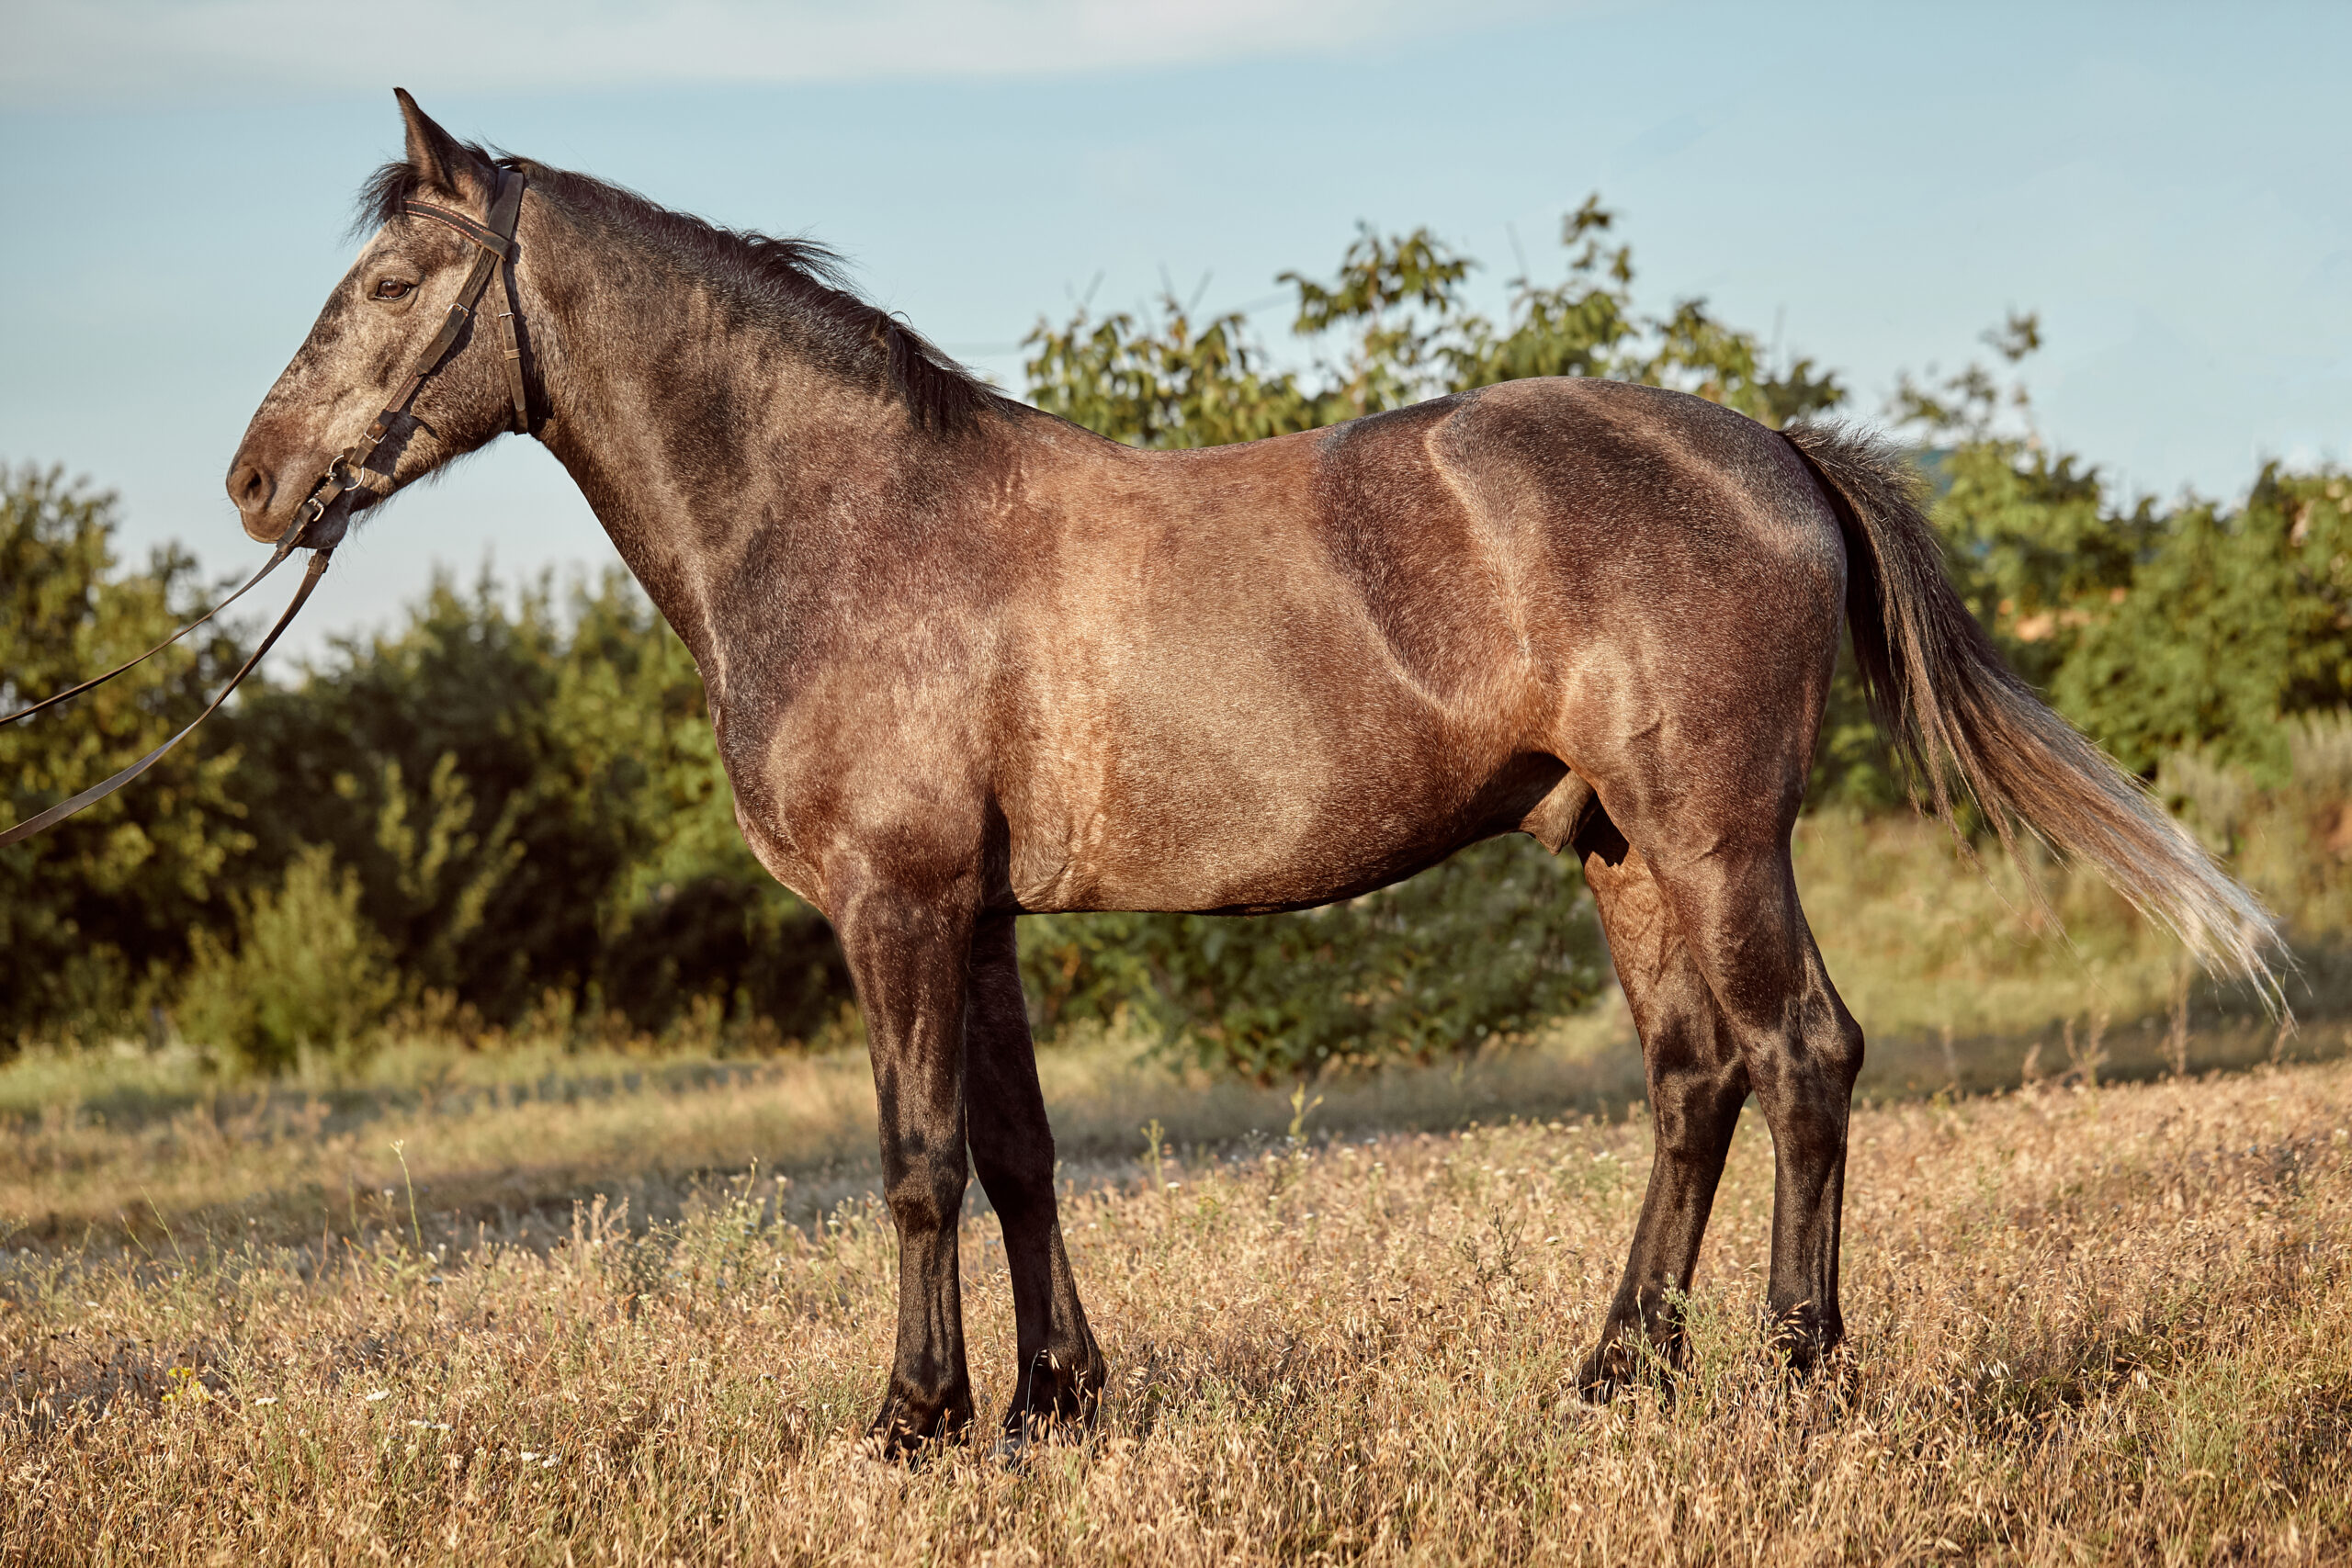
{"points": [[806, 280]]}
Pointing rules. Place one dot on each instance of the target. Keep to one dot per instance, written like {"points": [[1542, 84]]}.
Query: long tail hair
{"points": [[1956, 713]]}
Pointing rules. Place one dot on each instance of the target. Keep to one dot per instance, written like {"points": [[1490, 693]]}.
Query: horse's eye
{"points": [[392, 288]]}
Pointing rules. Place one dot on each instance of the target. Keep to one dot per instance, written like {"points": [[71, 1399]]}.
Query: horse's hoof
{"points": [[1609, 1367], [1026, 1430], [1056, 1402], [1803, 1336], [1012, 1446], [899, 1434]]}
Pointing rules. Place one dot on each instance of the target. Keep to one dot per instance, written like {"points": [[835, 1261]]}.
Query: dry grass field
{"points": [[2089, 1324], [538, 1304]]}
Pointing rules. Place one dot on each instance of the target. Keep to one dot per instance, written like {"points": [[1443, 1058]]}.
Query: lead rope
{"points": [[283, 550], [348, 471], [97, 792]]}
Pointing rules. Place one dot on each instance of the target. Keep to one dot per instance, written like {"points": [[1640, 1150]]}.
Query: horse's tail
{"points": [[1951, 706]]}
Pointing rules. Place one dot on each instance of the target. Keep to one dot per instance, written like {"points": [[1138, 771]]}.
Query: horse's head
{"points": [[367, 342]]}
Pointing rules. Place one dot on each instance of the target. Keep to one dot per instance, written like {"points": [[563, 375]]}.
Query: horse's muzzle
{"points": [[252, 488]]}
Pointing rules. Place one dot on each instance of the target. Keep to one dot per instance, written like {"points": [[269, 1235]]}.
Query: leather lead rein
{"points": [[97, 792], [494, 257]]}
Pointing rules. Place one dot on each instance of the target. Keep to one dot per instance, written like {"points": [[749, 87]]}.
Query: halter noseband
{"points": [[493, 256]]}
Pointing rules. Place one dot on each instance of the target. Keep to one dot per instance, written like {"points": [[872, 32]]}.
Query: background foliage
{"points": [[510, 807], [95, 913]]}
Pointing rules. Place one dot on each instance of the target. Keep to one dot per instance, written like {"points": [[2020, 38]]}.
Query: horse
{"points": [[967, 661]]}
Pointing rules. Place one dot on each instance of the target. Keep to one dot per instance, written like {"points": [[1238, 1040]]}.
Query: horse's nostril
{"points": [[249, 487]]}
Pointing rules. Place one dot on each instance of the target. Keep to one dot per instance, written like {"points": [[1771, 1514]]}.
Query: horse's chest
{"points": [[866, 782]]}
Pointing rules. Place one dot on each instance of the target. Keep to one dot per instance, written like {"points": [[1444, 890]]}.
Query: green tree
{"points": [[1394, 324], [306, 971], [92, 911], [1173, 384], [530, 795], [1484, 947], [2234, 621], [2197, 628]]}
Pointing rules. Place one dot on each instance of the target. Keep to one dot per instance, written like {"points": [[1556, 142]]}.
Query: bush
{"points": [[306, 971], [1488, 945], [2288, 833], [543, 769], [95, 910]]}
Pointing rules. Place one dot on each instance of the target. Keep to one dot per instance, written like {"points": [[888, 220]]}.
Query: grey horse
{"points": [[967, 661]]}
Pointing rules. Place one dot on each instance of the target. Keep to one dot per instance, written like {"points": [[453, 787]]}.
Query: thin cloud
{"points": [[65, 53]]}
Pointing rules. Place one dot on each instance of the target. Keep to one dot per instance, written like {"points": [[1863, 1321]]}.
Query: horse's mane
{"points": [[800, 279]]}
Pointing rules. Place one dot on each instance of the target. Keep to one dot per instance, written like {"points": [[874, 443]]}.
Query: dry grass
{"points": [[604, 1308], [2090, 1325], [103, 1149]]}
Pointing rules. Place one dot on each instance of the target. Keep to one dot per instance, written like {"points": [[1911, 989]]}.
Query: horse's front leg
{"points": [[908, 953], [1061, 1376]]}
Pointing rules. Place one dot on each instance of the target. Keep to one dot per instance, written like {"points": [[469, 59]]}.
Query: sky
{"points": [[2170, 187]]}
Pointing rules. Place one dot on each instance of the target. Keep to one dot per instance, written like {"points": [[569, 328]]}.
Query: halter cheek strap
{"points": [[495, 256]]}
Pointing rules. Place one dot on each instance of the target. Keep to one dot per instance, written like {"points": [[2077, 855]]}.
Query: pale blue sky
{"points": [[2171, 188]]}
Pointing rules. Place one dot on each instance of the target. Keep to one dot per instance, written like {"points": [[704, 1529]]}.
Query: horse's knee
{"points": [[1846, 1047], [926, 1195], [1692, 1110]]}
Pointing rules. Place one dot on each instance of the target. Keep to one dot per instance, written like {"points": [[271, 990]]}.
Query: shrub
{"points": [[1488, 944], [92, 909], [306, 973]]}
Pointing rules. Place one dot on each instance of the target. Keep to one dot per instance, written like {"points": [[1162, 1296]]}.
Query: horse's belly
{"points": [[1263, 804]]}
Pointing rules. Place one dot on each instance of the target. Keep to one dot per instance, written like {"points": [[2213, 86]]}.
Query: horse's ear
{"points": [[441, 162]]}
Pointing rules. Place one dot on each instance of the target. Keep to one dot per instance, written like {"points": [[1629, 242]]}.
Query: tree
{"points": [[1486, 946], [532, 799], [1394, 325], [95, 910], [2195, 628]]}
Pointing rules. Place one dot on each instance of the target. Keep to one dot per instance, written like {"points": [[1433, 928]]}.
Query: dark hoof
{"points": [[1803, 1338], [1054, 1403], [1607, 1367], [909, 1430], [1626, 1356]]}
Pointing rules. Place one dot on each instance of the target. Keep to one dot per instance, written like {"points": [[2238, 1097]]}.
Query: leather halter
{"points": [[350, 470]]}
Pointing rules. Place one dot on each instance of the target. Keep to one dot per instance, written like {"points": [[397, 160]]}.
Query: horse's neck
{"points": [[695, 436]]}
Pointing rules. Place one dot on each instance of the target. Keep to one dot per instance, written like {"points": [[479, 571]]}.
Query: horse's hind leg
{"points": [[1012, 1148], [1735, 904], [1697, 1084]]}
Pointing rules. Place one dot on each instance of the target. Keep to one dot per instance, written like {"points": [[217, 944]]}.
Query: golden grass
{"points": [[511, 1140], [598, 1306], [2088, 1324]]}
